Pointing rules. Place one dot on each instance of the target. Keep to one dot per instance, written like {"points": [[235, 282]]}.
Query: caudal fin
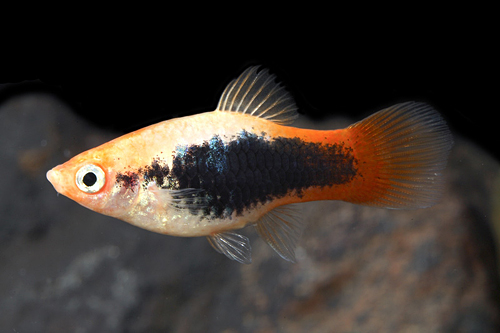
{"points": [[402, 152]]}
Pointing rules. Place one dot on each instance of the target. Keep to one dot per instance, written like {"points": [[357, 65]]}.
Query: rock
{"points": [[68, 269]]}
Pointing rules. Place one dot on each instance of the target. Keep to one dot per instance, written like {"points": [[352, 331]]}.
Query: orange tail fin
{"points": [[402, 151]]}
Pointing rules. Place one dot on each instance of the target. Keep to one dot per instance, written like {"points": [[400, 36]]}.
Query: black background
{"points": [[128, 86]]}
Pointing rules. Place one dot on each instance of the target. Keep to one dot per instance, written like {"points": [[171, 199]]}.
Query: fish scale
{"points": [[267, 177]]}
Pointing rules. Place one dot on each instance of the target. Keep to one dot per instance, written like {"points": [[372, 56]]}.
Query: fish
{"points": [[213, 173]]}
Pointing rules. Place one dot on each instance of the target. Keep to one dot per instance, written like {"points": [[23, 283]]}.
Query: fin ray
{"points": [[255, 92], [188, 198], [281, 228], [233, 245], [404, 149]]}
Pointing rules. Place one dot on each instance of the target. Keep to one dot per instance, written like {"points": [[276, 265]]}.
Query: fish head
{"points": [[96, 180], [87, 179]]}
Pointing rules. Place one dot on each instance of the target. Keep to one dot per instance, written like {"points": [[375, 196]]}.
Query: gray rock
{"points": [[360, 269]]}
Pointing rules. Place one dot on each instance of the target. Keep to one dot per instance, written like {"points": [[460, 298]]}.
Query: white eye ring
{"points": [[90, 178]]}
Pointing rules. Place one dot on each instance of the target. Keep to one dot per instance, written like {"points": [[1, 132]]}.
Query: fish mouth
{"points": [[54, 177], [51, 176]]}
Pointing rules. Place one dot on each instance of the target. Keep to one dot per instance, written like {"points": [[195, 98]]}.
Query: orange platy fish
{"points": [[213, 173]]}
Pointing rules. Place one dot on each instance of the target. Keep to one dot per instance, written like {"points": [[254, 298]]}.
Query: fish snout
{"points": [[55, 178], [51, 176]]}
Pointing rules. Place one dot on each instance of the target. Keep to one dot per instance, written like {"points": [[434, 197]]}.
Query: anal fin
{"points": [[281, 228], [233, 245]]}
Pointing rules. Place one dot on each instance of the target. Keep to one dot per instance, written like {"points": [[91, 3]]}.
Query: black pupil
{"points": [[89, 179]]}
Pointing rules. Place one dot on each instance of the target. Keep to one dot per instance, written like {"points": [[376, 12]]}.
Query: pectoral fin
{"points": [[188, 198], [281, 228]]}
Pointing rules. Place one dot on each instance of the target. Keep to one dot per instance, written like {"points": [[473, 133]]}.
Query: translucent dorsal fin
{"points": [[257, 93]]}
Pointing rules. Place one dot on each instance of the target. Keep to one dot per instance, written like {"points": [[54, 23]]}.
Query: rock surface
{"points": [[360, 269]]}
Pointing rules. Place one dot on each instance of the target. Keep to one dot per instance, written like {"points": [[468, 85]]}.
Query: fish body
{"points": [[213, 173]]}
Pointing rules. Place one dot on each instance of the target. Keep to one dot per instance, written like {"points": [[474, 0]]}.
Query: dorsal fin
{"points": [[257, 93]]}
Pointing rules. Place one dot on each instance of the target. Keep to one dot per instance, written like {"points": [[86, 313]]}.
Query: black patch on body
{"points": [[250, 169], [247, 170], [128, 180], [156, 172]]}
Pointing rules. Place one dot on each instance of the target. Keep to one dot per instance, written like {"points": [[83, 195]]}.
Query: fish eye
{"points": [[90, 178]]}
